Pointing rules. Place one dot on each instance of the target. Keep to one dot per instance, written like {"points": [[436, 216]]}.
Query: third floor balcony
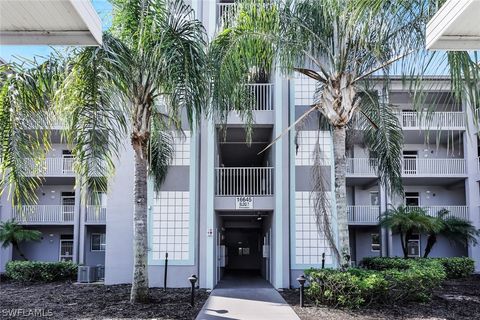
{"points": [[411, 167], [51, 167], [244, 181]]}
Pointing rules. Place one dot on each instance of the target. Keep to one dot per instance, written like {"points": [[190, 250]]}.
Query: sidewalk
{"points": [[237, 299]]}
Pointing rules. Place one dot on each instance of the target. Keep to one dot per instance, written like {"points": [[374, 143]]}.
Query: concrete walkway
{"points": [[242, 297]]}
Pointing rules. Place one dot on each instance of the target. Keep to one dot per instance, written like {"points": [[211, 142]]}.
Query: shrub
{"points": [[352, 288], [358, 287], [459, 267], [32, 271]]}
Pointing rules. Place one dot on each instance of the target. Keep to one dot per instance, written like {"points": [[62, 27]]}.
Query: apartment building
{"points": [[224, 206]]}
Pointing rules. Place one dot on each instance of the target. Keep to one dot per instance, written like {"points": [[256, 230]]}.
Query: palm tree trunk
{"points": [[403, 242], [339, 137], [431, 240], [17, 247], [139, 291]]}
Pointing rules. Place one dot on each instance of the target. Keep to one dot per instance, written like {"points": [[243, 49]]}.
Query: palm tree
{"points": [[405, 221], [11, 233], [350, 48], [455, 229], [149, 71]]}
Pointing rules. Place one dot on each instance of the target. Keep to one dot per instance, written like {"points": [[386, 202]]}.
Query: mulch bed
{"points": [[456, 300], [94, 301]]}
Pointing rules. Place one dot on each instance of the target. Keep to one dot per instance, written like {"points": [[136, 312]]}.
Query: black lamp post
{"points": [[193, 280], [301, 280]]}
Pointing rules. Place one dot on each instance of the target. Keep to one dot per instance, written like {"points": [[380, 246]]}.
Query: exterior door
{"points": [[67, 161], [68, 205], [410, 159]]}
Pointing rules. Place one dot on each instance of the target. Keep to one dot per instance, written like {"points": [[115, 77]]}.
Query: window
{"points": [[413, 246], [375, 242], [98, 242], [66, 247], [412, 199]]}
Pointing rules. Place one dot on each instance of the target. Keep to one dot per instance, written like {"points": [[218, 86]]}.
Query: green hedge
{"points": [[458, 267], [358, 287], [36, 271]]}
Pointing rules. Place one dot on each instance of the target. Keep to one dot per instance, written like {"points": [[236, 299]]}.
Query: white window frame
{"points": [[418, 241], [411, 197], [105, 243], [60, 256], [378, 197], [371, 242]]}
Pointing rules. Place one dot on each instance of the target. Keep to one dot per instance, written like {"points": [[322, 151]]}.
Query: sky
{"points": [[9, 53]]}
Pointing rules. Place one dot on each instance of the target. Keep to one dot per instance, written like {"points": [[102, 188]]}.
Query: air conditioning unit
{"points": [[86, 274], [100, 272]]}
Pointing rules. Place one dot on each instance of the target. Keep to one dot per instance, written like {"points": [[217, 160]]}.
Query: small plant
{"points": [[11, 233], [37, 271]]}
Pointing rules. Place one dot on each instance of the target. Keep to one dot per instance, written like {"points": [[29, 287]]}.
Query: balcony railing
{"points": [[96, 214], [410, 167], [368, 214], [363, 214], [44, 214], [225, 14], [361, 166], [433, 167], [262, 96], [51, 167], [244, 181], [454, 211], [433, 120]]}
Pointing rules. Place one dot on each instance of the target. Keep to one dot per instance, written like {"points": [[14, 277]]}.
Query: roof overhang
{"points": [[49, 22], [455, 26]]}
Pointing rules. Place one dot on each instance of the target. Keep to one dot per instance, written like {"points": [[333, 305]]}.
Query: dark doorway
{"points": [[244, 250]]}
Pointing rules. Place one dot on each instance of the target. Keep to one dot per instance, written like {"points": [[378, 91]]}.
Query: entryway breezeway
{"points": [[244, 247]]}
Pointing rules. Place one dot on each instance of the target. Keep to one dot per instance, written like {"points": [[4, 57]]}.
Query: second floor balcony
{"points": [[369, 214], [442, 120], [52, 167], [244, 181], [44, 214], [96, 214]]}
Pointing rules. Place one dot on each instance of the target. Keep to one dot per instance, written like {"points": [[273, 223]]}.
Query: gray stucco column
{"points": [[386, 237], [5, 214], [82, 231], [470, 145], [76, 222]]}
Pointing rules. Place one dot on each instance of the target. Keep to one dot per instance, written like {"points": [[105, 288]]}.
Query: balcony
{"points": [[411, 167], [251, 181], [52, 167], [433, 167], [411, 120], [96, 214], [44, 214], [368, 215], [363, 214], [361, 167]]}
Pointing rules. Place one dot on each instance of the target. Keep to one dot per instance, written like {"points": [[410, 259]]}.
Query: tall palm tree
{"points": [[11, 233], [455, 229], [149, 71], [406, 221], [350, 48]]}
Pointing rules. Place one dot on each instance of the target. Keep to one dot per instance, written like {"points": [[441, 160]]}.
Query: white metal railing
{"points": [[96, 214], [433, 120], [262, 96], [225, 13], [361, 166], [363, 214], [44, 213], [51, 167], [256, 181], [442, 167], [455, 211]]}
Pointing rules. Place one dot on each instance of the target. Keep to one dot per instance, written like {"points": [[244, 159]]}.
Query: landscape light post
{"points": [[301, 280], [193, 280]]}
